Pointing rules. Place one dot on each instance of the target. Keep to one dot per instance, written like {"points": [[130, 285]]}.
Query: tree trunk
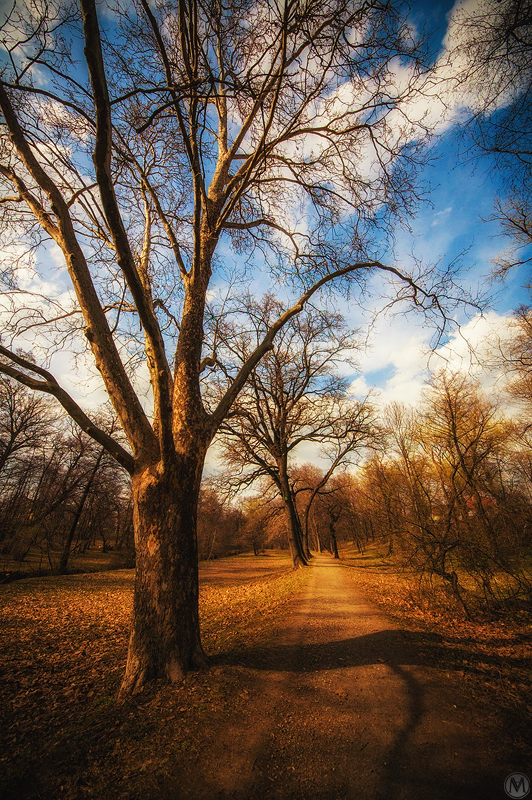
{"points": [[304, 542], [165, 635], [293, 523], [334, 545], [294, 533], [65, 555]]}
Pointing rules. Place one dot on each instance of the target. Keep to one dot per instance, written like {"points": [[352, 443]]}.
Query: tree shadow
{"points": [[401, 768], [390, 646], [386, 646]]}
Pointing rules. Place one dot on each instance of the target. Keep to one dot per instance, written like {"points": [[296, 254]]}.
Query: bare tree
{"points": [[513, 354], [89, 482], [493, 58], [294, 397], [147, 140], [25, 420], [449, 493]]}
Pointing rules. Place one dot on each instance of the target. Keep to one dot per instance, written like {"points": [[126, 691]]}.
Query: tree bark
{"points": [[165, 633], [334, 544], [292, 519]]}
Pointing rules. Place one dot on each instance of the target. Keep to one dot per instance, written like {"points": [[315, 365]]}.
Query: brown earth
{"points": [[339, 707], [314, 694]]}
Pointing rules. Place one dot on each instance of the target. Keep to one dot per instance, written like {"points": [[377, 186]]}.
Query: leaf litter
{"points": [[63, 644]]}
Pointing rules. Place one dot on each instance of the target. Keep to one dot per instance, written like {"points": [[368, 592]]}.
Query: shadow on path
{"points": [[387, 646], [366, 704]]}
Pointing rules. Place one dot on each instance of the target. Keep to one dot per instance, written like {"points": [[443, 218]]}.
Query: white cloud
{"points": [[404, 359], [359, 387], [440, 217]]}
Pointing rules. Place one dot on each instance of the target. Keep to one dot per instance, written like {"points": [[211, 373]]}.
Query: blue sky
{"points": [[454, 224]]}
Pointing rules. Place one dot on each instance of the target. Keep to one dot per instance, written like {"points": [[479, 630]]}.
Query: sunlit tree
{"points": [[294, 397]]}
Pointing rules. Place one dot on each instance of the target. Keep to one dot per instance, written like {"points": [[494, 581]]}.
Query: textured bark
{"points": [[165, 634]]}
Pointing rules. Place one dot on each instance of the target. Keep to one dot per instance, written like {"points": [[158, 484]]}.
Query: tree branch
{"points": [[267, 343], [129, 410], [102, 161], [50, 386]]}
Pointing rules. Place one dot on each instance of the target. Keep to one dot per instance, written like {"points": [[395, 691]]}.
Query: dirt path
{"points": [[340, 706]]}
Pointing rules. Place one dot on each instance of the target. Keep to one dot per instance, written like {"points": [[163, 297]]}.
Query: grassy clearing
{"points": [[490, 653], [63, 644]]}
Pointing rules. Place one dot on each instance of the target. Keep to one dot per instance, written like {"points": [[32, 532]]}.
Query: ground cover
{"points": [[63, 643], [312, 692]]}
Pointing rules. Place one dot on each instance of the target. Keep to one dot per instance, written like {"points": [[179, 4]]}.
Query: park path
{"points": [[340, 707]]}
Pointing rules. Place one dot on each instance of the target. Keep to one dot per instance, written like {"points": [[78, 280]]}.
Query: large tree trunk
{"points": [[294, 536], [293, 522], [165, 635]]}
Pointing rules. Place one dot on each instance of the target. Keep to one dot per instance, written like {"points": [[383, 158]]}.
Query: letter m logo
{"points": [[517, 785]]}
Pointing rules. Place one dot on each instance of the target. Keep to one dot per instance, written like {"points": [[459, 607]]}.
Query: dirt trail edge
{"points": [[339, 706]]}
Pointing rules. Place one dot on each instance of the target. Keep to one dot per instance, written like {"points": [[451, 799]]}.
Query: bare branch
{"points": [[50, 386]]}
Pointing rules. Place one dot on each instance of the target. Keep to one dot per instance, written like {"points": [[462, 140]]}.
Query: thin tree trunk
{"points": [[332, 534], [63, 563], [304, 543], [294, 534], [165, 633]]}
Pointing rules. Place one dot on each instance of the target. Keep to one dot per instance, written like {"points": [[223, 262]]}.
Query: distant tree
{"points": [[450, 487], [25, 420], [219, 524], [257, 515], [513, 354], [210, 519], [95, 459], [294, 397], [52, 476]]}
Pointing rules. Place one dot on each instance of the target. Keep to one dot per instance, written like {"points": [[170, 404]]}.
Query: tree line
{"points": [[445, 487], [61, 496], [60, 493]]}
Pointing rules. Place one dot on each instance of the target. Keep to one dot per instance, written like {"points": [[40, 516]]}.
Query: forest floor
{"points": [[314, 692]]}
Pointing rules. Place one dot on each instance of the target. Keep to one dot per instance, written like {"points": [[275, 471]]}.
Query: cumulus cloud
{"points": [[403, 360]]}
